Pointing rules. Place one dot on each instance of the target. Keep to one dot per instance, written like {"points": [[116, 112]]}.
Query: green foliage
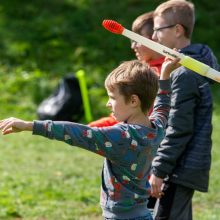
{"points": [[58, 37], [41, 41]]}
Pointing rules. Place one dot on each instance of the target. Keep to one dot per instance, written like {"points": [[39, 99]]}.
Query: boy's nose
{"points": [[108, 105], [154, 36]]}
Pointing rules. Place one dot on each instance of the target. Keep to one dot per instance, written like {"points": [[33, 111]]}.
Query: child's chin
{"points": [[116, 118]]}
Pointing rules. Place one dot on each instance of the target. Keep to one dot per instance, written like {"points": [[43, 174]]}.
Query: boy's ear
{"points": [[135, 100], [179, 30]]}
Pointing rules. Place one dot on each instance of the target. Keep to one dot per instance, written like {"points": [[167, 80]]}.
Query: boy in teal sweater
{"points": [[129, 146]]}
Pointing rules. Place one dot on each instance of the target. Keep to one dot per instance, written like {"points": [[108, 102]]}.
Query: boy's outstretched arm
{"points": [[13, 125]]}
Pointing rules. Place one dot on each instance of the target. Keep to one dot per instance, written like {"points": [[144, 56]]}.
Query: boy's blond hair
{"points": [[134, 78], [144, 24], [178, 12]]}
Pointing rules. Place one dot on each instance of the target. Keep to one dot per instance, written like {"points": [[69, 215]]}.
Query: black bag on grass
{"points": [[64, 104]]}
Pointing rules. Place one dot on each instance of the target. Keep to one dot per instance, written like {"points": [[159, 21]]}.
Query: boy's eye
{"points": [[111, 97]]}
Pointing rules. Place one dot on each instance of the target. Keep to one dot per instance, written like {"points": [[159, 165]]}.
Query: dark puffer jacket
{"points": [[185, 153]]}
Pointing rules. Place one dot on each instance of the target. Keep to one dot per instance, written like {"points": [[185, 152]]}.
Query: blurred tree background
{"points": [[42, 41]]}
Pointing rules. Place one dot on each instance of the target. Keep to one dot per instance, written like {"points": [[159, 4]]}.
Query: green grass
{"points": [[42, 179], [46, 180], [207, 205]]}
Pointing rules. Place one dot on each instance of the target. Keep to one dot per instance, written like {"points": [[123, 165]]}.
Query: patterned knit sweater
{"points": [[128, 150]]}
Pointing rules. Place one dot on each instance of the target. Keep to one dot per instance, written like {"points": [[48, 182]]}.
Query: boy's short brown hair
{"points": [[178, 12], [134, 78], [144, 24]]}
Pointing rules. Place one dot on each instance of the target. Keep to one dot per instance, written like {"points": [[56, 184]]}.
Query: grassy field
{"points": [[41, 179], [42, 41], [48, 180], [207, 205]]}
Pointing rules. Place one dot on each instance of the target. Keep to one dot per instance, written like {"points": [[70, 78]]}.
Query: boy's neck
{"points": [[140, 119], [183, 43]]}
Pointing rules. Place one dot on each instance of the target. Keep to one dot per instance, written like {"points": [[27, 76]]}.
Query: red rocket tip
{"points": [[113, 26]]}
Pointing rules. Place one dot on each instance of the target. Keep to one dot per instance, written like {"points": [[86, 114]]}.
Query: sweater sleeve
{"points": [[162, 104], [109, 142], [180, 125]]}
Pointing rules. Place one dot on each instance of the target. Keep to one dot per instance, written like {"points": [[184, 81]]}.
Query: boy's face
{"points": [[121, 110], [164, 32], [141, 52]]}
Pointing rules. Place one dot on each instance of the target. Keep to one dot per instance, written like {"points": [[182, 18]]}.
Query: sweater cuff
{"points": [[40, 127], [164, 85]]}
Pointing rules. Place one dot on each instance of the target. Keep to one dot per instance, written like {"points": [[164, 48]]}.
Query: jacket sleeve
{"points": [[180, 127]]}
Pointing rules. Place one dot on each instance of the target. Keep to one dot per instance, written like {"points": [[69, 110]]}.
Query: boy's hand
{"points": [[156, 186], [13, 125], [168, 66]]}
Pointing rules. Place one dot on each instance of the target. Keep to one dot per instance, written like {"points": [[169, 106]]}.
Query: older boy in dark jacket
{"points": [[183, 160]]}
